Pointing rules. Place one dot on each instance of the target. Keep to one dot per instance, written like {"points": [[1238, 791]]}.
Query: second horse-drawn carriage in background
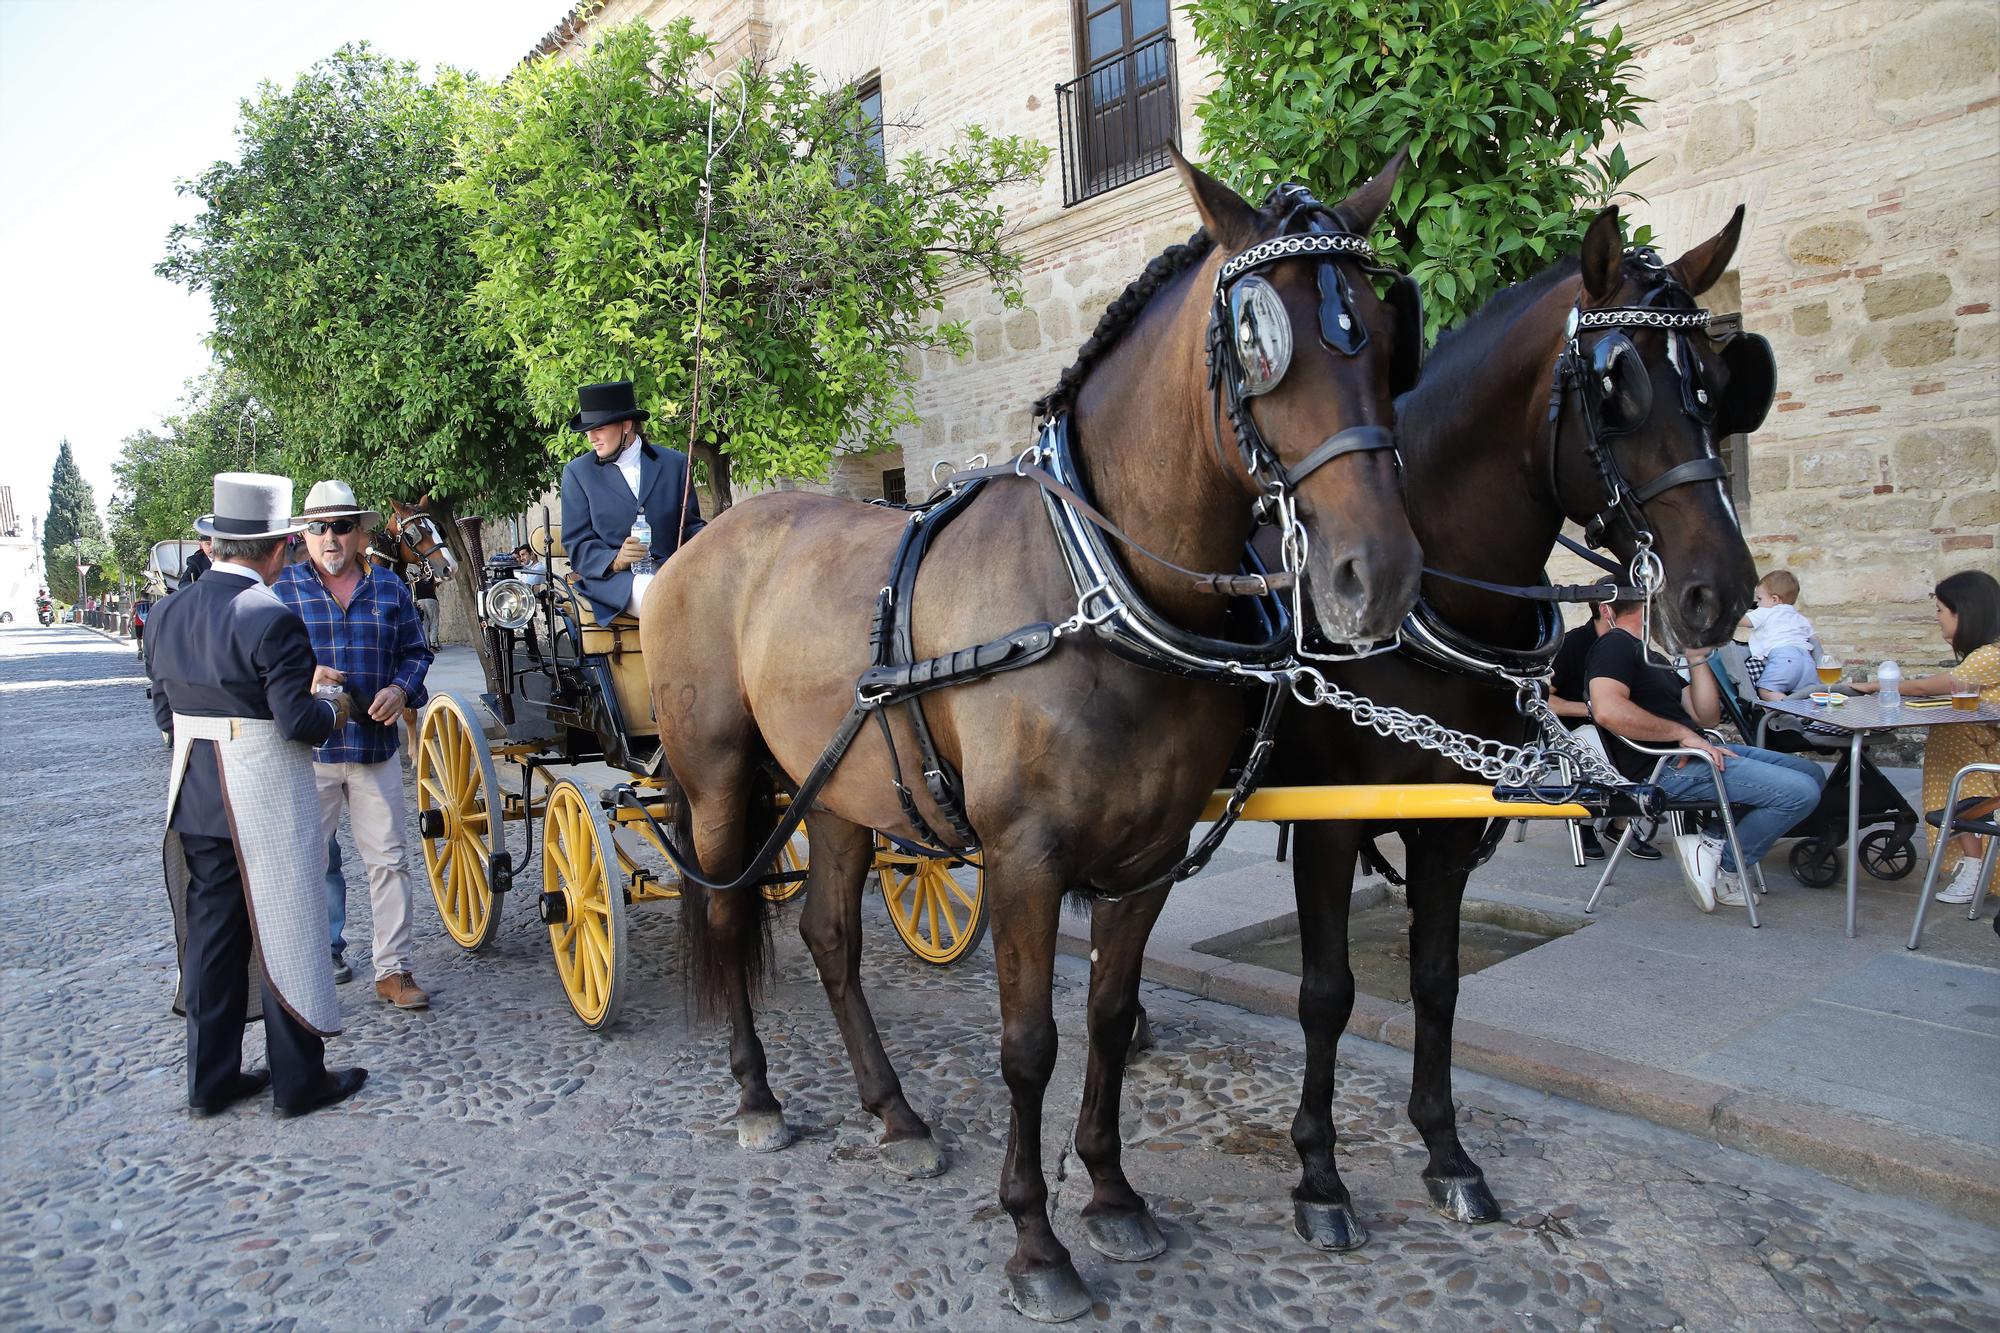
{"points": [[565, 690]]}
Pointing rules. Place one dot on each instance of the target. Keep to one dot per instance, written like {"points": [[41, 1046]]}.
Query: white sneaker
{"points": [[1701, 861], [1729, 889], [1964, 880]]}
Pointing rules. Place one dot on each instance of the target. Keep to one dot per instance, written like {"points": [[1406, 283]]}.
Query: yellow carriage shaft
{"points": [[1433, 800]]}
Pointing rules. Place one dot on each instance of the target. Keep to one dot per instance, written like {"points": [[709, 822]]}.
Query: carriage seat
{"points": [[617, 642]]}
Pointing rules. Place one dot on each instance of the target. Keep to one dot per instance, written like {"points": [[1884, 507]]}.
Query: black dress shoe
{"points": [[342, 973], [340, 1084], [1593, 850], [245, 1085], [1643, 850]]}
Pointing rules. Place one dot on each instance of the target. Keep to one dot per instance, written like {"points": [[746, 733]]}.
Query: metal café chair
{"points": [[1677, 811], [1949, 821]]}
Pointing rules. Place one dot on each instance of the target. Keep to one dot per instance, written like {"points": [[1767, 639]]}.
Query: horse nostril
{"points": [[1350, 581], [1698, 605]]}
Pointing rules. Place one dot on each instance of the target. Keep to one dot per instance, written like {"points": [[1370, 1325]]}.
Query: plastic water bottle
{"points": [[642, 532], [1889, 677]]}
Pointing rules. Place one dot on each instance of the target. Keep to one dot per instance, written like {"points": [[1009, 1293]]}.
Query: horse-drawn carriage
{"points": [[567, 690]]}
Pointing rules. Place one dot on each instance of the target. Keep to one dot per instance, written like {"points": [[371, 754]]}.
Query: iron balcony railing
{"points": [[1118, 118]]}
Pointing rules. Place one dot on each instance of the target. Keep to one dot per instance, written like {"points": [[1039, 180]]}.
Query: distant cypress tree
{"points": [[73, 525]]}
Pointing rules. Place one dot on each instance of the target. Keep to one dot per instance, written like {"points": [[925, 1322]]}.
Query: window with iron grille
{"points": [[1123, 108], [892, 485], [1735, 449]]}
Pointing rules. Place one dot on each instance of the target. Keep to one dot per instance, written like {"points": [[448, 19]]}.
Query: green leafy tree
{"points": [[339, 281], [73, 531], [1505, 106], [165, 478], [826, 266]]}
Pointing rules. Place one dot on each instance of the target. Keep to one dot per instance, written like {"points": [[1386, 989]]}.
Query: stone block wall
{"points": [[1864, 137]]}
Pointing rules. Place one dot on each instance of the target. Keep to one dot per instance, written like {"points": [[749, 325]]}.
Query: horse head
{"points": [[1305, 359], [1644, 391], [416, 539]]}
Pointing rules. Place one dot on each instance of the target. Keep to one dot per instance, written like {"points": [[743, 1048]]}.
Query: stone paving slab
{"points": [[506, 1169]]}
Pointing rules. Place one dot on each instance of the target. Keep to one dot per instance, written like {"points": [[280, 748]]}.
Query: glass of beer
{"points": [[1829, 669], [1964, 696]]}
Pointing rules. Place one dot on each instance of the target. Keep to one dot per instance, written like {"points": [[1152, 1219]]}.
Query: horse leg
{"points": [[1116, 1221], [831, 928], [1438, 868], [1026, 907], [728, 951], [1323, 881]]}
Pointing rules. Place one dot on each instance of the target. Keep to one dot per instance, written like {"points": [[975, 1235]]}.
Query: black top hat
{"points": [[602, 404]]}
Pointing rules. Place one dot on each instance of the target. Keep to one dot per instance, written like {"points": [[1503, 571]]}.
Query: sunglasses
{"points": [[340, 527]]}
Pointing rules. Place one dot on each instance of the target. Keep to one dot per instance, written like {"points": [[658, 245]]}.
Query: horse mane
{"points": [[1462, 349], [1118, 316]]}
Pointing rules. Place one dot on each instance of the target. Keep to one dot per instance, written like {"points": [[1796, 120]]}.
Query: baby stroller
{"points": [[1888, 850]]}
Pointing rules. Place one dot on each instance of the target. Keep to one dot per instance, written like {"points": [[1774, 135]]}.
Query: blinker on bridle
{"points": [[1615, 395]]}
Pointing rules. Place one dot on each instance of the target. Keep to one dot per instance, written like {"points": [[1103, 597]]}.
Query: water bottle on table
{"points": [[1889, 686]]}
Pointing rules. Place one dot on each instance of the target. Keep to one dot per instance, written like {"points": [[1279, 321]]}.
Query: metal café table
{"points": [[1859, 716]]}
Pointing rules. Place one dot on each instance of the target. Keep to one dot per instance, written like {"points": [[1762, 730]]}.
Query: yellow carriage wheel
{"points": [[458, 817], [936, 903], [583, 902], [794, 856]]}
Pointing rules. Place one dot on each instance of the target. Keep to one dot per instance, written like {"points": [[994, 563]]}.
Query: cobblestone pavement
{"points": [[505, 1168]]}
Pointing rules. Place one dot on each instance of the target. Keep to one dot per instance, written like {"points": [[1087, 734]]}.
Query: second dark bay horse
{"points": [[1490, 482], [1082, 773]]}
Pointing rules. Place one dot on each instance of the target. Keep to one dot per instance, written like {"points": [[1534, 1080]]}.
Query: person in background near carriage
{"points": [[605, 491], [1631, 697], [364, 627], [200, 562], [1569, 697], [425, 588], [232, 673]]}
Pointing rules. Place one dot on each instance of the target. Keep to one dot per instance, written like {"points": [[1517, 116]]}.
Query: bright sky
{"points": [[104, 105]]}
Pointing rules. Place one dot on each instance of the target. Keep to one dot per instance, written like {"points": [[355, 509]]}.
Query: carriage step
{"points": [[500, 872]]}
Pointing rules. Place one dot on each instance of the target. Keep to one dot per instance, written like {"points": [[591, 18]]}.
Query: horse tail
{"points": [[728, 934]]}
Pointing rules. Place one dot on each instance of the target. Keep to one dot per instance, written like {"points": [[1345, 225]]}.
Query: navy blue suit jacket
{"points": [[213, 652], [598, 510]]}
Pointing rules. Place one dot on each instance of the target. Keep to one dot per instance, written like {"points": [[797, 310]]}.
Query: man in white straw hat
{"points": [[365, 631], [232, 674]]}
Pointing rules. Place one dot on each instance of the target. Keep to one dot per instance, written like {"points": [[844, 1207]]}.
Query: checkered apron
{"points": [[282, 857]]}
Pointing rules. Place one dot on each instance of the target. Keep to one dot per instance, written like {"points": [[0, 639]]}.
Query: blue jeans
{"points": [[336, 898], [1769, 791]]}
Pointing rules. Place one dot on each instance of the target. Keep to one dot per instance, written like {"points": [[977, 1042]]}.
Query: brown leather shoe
{"points": [[401, 990]]}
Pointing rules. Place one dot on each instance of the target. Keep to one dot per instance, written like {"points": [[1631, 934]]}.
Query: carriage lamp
{"points": [[510, 604]]}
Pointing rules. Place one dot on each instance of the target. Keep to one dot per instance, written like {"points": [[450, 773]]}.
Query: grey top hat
{"points": [[249, 505], [335, 499]]}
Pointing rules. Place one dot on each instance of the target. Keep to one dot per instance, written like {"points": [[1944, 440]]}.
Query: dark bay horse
{"points": [[1489, 485], [1082, 772]]}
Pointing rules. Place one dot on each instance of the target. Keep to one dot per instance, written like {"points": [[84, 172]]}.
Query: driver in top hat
{"points": [[605, 490]]}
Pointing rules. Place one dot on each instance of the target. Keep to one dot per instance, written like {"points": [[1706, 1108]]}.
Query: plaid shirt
{"points": [[378, 641]]}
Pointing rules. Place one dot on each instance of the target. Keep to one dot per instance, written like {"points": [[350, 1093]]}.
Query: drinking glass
{"points": [[1829, 669], [1964, 697]]}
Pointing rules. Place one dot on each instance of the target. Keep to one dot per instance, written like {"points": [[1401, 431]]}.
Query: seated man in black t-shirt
{"points": [[1569, 697], [1631, 697]]}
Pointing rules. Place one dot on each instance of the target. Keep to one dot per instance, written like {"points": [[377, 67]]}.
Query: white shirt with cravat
{"points": [[628, 463]]}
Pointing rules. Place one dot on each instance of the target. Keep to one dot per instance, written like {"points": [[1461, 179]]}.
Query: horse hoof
{"points": [[1463, 1198], [763, 1131], [1142, 1036], [1328, 1226], [1126, 1237], [1050, 1295], [914, 1159]]}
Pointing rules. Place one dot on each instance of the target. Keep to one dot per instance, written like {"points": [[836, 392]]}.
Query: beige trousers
{"points": [[373, 795]]}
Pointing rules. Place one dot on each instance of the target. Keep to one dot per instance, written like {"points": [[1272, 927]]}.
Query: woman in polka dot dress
{"points": [[1968, 611]]}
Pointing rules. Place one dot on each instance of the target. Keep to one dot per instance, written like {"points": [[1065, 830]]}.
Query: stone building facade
{"points": [[1864, 136]]}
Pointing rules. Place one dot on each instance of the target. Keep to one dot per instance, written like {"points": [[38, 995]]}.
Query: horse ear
{"points": [[1228, 217], [1603, 255], [1360, 210], [1701, 267]]}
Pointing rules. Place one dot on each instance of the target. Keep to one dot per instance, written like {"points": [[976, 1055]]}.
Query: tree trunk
{"points": [[458, 597], [717, 464]]}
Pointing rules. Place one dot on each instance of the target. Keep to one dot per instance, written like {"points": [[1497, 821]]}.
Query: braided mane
{"points": [[1118, 316]]}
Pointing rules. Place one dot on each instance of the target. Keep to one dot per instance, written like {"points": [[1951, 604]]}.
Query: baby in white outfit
{"points": [[1781, 638]]}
